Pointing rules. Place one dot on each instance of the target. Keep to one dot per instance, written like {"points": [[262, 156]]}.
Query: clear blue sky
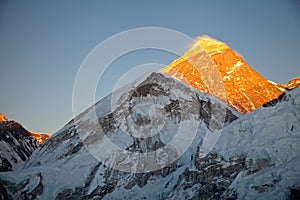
{"points": [[43, 43]]}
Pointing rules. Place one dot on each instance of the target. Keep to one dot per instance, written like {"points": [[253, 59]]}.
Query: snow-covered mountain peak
{"points": [[164, 137], [212, 67], [255, 156]]}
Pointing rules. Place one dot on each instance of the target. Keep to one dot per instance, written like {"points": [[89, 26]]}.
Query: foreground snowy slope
{"points": [[269, 138], [256, 156]]}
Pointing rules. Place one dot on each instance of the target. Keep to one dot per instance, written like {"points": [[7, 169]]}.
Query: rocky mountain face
{"points": [[175, 135], [255, 155], [16, 144], [210, 61]]}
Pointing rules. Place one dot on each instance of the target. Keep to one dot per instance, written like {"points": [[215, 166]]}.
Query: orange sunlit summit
{"points": [[39, 137], [210, 66]]}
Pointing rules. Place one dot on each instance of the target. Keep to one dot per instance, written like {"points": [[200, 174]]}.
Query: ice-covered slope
{"points": [[256, 156], [62, 167], [269, 138]]}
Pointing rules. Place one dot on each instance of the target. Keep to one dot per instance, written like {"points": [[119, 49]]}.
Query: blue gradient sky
{"points": [[42, 45]]}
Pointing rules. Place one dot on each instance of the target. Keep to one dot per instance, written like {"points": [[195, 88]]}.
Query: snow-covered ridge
{"points": [[256, 156], [176, 102]]}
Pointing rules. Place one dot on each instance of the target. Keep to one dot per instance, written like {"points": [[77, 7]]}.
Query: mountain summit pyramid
{"points": [[210, 66]]}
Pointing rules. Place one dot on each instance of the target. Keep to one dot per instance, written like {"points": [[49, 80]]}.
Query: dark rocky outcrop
{"points": [[19, 144]]}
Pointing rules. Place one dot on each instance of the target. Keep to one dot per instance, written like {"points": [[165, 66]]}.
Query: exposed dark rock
{"points": [[38, 190], [254, 165], [72, 149], [230, 117], [214, 175], [3, 192], [264, 187], [5, 165], [20, 144], [295, 193], [152, 89], [108, 123], [214, 115], [12, 191], [273, 102]]}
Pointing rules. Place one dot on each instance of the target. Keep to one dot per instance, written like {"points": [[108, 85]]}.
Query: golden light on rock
{"points": [[210, 66], [293, 83], [2, 118], [40, 137]]}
